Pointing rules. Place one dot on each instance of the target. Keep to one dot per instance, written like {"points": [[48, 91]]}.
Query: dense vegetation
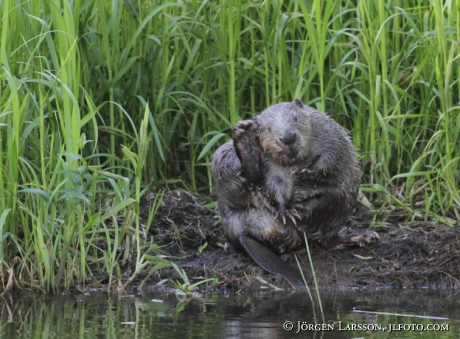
{"points": [[100, 98]]}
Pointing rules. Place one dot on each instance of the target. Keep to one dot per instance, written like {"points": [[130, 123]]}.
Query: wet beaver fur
{"points": [[289, 170]]}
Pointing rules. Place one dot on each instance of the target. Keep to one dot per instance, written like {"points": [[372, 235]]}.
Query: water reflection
{"points": [[149, 315]]}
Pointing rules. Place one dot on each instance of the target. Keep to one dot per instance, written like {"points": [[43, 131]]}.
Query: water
{"points": [[148, 315]]}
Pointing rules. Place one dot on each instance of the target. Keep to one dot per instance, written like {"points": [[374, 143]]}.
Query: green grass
{"points": [[100, 98]]}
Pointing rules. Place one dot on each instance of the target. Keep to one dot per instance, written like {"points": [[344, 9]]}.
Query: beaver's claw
{"points": [[290, 213]]}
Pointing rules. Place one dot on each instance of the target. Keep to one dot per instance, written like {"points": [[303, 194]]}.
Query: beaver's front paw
{"points": [[305, 174], [245, 141]]}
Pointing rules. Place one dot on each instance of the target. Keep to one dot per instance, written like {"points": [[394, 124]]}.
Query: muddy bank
{"points": [[416, 254]]}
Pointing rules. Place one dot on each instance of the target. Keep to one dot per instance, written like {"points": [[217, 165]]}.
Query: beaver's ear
{"points": [[298, 103]]}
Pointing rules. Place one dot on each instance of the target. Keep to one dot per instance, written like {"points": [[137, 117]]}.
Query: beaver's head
{"points": [[285, 132]]}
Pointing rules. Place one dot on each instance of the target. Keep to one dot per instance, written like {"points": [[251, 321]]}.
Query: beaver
{"points": [[311, 171], [291, 170]]}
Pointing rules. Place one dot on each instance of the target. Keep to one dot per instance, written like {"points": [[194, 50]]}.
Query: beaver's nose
{"points": [[288, 136]]}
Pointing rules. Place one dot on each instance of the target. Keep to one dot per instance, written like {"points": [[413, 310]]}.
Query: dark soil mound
{"points": [[409, 254]]}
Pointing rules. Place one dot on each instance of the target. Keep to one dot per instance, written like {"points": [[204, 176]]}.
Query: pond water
{"points": [[346, 314]]}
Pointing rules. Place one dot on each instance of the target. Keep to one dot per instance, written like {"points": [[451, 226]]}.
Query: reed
{"points": [[81, 81]]}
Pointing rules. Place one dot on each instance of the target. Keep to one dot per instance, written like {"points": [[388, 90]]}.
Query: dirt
{"points": [[409, 254]]}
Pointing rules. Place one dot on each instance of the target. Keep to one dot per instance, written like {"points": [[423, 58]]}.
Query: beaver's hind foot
{"points": [[357, 240]]}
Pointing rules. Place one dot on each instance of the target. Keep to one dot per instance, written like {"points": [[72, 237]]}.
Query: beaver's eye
{"points": [[295, 117]]}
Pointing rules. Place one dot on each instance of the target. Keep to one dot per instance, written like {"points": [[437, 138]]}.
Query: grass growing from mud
{"points": [[100, 98]]}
